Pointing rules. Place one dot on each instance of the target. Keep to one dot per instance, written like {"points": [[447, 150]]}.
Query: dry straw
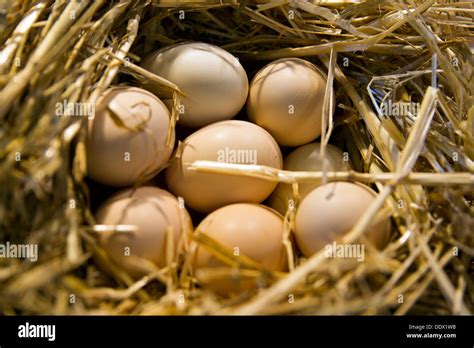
{"points": [[373, 51]]}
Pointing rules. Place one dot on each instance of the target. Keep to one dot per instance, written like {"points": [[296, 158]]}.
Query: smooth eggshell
{"points": [[117, 156], [306, 158], [215, 83], [330, 211], [257, 232], [153, 211], [206, 192], [286, 98]]}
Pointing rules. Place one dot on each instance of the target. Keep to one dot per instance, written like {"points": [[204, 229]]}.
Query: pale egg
{"points": [[126, 139], [236, 142], [214, 81], [286, 98], [252, 230], [330, 211], [154, 214], [306, 158]]}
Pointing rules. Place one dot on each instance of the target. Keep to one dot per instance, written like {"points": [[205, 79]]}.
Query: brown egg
{"points": [[127, 137], [286, 98], [229, 142], [330, 211], [246, 229], [306, 158], [152, 211], [214, 81]]}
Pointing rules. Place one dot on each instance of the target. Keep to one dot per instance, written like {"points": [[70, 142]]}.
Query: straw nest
{"points": [[422, 166]]}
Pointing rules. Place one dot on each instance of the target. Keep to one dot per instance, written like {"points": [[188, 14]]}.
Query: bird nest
{"points": [[421, 165]]}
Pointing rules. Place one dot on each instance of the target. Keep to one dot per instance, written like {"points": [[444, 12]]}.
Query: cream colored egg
{"points": [[126, 139], [228, 142], [330, 211], [286, 98], [306, 158], [215, 83], [152, 211], [247, 229]]}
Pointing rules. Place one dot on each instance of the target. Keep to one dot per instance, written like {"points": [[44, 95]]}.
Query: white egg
{"points": [[214, 81]]}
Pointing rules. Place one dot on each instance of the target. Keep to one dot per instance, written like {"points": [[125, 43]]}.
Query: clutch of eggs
{"points": [[306, 158], [215, 83], [126, 139], [246, 229], [229, 141], [286, 98], [127, 142], [154, 213]]}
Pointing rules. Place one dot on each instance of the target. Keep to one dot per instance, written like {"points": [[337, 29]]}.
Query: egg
{"points": [[214, 81], [126, 139], [286, 98], [228, 142], [152, 211], [306, 158], [246, 229], [330, 211]]}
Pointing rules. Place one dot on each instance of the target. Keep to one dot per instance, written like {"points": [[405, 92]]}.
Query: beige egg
{"points": [[215, 83], [252, 230], [306, 158], [229, 142], [126, 139], [330, 211], [286, 98], [153, 211]]}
